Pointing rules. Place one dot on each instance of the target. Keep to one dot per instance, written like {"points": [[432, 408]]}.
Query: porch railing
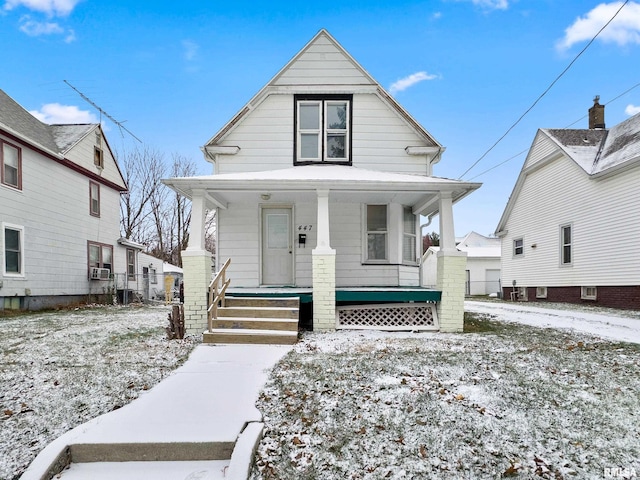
{"points": [[217, 289]]}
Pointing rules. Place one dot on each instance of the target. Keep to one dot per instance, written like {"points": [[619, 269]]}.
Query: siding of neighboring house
{"points": [[601, 213], [83, 153], [542, 147]]}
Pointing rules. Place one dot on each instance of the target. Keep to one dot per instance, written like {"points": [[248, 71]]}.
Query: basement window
{"points": [[541, 292], [588, 293]]}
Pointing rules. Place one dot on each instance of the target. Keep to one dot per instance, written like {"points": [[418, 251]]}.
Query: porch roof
{"points": [[344, 183]]}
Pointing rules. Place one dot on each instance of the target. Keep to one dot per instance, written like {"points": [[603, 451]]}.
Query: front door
{"points": [[277, 251]]}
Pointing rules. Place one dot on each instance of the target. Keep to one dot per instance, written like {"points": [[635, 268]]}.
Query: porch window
{"points": [[131, 264], [566, 245], [518, 247], [100, 256], [376, 232], [94, 199], [13, 249], [322, 128], [11, 161], [409, 236]]}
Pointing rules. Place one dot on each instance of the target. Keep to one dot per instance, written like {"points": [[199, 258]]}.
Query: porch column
{"points": [[196, 264], [324, 270], [451, 271]]}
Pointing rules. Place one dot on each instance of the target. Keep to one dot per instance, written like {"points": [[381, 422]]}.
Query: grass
{"points": [[60, 369], [505, 400]]}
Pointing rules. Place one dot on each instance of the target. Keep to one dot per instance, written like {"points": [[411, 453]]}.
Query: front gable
{"points": [[288, 122]]}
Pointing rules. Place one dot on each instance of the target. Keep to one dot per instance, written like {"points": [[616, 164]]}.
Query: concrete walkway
{"points": [[192, 419]]}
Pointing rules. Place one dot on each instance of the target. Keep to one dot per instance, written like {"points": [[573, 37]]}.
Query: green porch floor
{"points": [[346, 294]]}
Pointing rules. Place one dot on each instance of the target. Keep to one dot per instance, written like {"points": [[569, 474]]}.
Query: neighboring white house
{"points": [[59, 210], [483, 264], [319, 182], [569, 229]]}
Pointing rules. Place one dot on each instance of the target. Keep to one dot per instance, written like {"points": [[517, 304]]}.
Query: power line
{"points": [[545, 92], [571, 124], [102, 112]]}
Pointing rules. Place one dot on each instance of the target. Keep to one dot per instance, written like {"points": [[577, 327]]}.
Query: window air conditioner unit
{"points": [[100, 273]]}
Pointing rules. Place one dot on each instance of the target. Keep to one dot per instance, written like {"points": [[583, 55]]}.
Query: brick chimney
{"points": [[596, 114]]}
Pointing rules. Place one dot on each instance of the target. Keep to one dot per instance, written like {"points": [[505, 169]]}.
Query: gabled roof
{"points": [[337, 53], [67, 136], [598, 152]]}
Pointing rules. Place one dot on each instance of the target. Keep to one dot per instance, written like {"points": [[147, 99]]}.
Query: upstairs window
{"points": [[98, 158], [11, 162], [94, 199], [409, 236], [566, 242], [323, 129]]}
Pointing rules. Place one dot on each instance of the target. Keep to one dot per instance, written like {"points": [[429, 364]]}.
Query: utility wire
{"points": [[545, 92], [571, 124]]}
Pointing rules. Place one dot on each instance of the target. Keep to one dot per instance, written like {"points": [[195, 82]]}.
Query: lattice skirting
{"points": [[400, 316]]}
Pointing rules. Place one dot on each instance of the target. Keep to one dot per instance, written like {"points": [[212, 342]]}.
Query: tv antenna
{"points": [[102, 112]]}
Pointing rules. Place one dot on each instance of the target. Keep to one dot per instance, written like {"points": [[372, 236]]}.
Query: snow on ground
{"points": [[509, 400], [60, 369], [619, 325]]}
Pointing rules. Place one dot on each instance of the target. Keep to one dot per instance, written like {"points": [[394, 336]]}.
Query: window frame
{"points": [[413, 235], [101, 263], [585, 295], [368, 232], [3, 180], [563, 245], [323, 101], [520, 247], [21, 254], [541, 292], [94, 212], [131, 265]]}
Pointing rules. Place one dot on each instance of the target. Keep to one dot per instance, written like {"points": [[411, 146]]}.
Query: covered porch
{"points": [[327, 269]]}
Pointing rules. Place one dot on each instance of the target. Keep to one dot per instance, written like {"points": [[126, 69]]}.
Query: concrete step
{"points": [[203, 470], [248, 336], [231, 301], [253, 323], [258, 312]]}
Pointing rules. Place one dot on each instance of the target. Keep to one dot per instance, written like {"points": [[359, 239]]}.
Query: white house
{"points": [[59, 210], [319, 182], [569, 228], [483, 264]]}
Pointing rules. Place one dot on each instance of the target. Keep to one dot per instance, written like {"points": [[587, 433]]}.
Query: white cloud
{"points": [[54, 113], [632, 110], [71, 36], [34, 28], [190, 49], [409, 81], [490, 4], [50, 7], [623, 30]]}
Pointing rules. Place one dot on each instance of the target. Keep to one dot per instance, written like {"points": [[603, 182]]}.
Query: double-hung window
{"points": [[13, 249], [518, 247], [100, 256], [376, 232], [131, 263], [323, 128], [566, 244], [409, 236], [94, 199], [11, 162]]}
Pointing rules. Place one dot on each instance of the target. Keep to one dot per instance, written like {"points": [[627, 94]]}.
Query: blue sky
{"points": [[177, 71]]}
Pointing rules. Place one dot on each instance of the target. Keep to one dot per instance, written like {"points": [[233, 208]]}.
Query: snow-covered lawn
{"points": [[507, 400], [60, 369]]}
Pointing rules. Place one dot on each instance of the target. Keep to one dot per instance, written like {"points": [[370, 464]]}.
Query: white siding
{"points": [[322, 64], [478, 273], [265, 137], [603, 214], [239, 239], [542, 147], [82, 154], [53, 207]]}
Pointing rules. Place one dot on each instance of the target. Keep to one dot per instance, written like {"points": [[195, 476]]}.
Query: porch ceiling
{"points": [[345, 184]]}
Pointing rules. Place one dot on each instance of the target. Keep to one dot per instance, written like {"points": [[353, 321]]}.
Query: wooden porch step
{"points": [[247, 336], [259, 312], [254, 323], [284, 302]]}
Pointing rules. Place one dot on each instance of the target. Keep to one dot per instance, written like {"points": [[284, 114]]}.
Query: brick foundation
{"points": [[623, 297]]}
